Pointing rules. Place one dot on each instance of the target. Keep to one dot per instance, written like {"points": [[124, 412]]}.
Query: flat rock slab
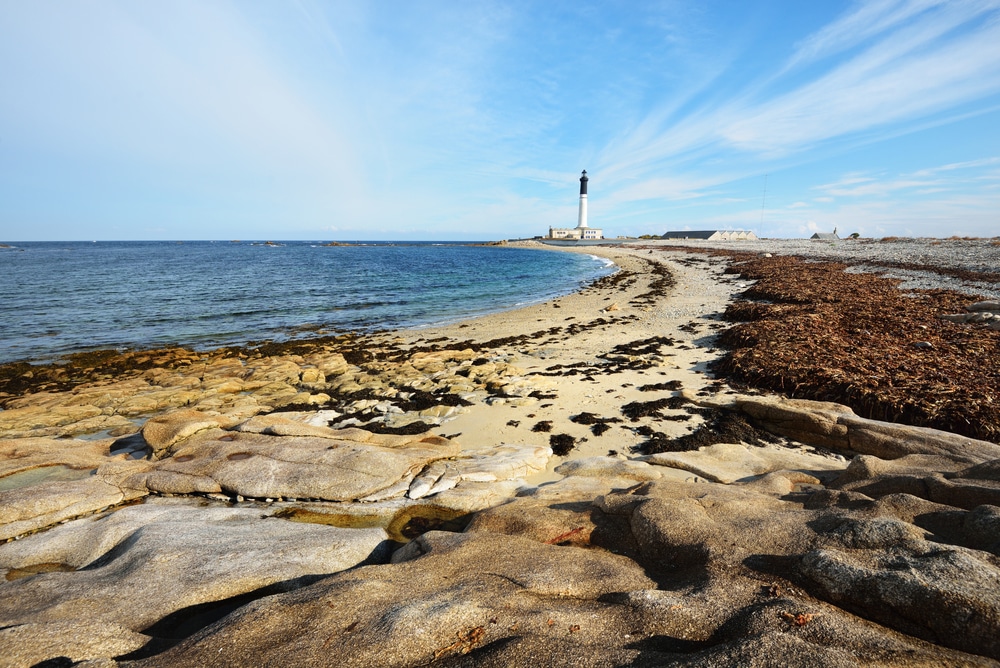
{"points": [[729, 462], [143, 563], [310, 467], [38, 506], [22, 454]]}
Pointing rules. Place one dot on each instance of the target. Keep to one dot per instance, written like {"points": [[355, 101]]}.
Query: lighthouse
{"points": [[582, 232]]}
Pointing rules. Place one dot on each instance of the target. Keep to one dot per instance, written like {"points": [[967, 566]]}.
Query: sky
{"points": [[444, 120]]}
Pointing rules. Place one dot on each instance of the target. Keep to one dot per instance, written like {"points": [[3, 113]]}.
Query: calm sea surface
{"points": [[63, 297]]}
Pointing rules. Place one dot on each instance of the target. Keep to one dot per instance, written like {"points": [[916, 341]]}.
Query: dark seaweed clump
{"points": [[720, 427], [640, 409], [561, 444], [598, 425]]}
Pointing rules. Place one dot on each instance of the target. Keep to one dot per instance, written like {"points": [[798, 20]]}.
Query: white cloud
{"points": [[918, 59], [924, 181], [901, 79], [864, 22]]}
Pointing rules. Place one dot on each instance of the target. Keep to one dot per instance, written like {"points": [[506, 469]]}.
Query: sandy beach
{"points": [[589, 368], [715, 455]]}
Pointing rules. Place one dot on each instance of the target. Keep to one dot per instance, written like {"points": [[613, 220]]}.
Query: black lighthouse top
{"points": [[583, 183]]}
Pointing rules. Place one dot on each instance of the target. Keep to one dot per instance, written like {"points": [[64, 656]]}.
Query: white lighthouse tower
{"points": [[581, 221], [582, 231]]}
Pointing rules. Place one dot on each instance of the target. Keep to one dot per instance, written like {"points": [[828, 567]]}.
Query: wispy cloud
{"points": [[854, 28], [925, 181], [912, 60]]}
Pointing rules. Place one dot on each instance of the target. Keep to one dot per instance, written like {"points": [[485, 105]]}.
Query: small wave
{"points": [[603, 260]]}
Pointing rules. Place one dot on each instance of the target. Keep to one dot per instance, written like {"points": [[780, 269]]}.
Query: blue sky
{"points": [[472, 120]]}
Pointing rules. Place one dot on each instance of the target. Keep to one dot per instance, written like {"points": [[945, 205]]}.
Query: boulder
{"points": [[949, 596]]}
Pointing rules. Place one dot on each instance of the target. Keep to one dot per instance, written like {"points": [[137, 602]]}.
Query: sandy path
{"points": [[686, 314]]}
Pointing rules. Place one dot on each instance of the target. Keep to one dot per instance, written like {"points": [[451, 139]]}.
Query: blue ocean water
{"points": [[63, 297]]}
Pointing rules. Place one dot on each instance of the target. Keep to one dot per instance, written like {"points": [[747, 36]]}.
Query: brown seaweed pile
{"points": [[814, 331]]}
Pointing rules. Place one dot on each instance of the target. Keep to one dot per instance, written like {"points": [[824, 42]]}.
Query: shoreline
{"points": [[565, 483], [400, 288], [593, 334], [541, 329]]}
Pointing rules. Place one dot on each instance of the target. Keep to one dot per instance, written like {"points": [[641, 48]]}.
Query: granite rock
{"points": [[138, 566]]}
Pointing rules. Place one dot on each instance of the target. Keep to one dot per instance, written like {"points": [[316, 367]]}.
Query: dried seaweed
{"points": [[857, 339], [561, 444]]}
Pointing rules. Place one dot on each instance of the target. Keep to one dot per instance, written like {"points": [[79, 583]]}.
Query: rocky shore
{"points": [[773, 454]]}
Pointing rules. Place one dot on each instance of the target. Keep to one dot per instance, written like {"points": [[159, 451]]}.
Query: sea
{"points": [[58, 298]]}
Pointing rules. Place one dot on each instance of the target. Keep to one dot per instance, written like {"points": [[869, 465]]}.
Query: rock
{"points": [[504, 462], [23, 454], [600, 467], [835, 426], [40, 644], [164, 431], [312, 376], [286, 424], [145, 563], [946, 595], [357, 465], [869, 467], [729, 462], [986, 471], [38, 506], [464, 593], [982, 528], [957, 492], [990, 305]]}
